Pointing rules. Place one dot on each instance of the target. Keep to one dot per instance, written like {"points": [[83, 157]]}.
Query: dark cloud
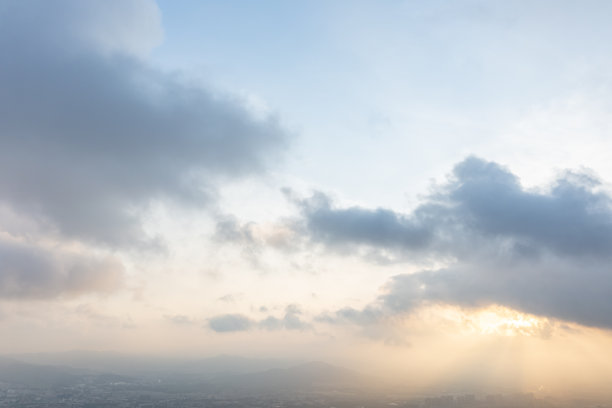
{"points": [[90, 136], [554, 288], [379, 227], [571, 219], [30, 272], [481, 203], [578, 292], [541, 252]]}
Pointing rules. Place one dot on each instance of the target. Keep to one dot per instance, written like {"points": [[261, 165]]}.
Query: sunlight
{"points": [[507, 322]]}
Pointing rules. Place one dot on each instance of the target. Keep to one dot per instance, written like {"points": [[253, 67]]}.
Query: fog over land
{"points": [[110, 379]]}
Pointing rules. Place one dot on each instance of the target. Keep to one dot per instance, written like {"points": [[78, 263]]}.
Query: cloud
{"points": [[481, 202], [253, 239], [179, 320], [572, 219], [367, 316], [578, 291], [31, 272], [544, 252], [90, 134], [238, 322], [230, 323], [290, 321], [230, 298], [109, 26], [254, 236], [378, 227]]}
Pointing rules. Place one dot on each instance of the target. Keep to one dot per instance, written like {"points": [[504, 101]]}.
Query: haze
{"points": [[417, 191]]}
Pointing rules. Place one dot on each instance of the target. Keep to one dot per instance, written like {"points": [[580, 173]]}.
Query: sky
{"points": [[414, 188]]}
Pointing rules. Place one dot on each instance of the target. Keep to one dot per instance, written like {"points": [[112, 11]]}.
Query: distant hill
{"points": [[19, 373], [303, 377], [218, 374], [135, 365]]}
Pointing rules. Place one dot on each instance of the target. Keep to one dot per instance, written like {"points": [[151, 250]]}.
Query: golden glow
{"points": [[507, 322]]}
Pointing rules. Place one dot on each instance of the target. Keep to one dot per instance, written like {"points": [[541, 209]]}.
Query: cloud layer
{"points": [[543, 252], [31, 272], [89, 136]]}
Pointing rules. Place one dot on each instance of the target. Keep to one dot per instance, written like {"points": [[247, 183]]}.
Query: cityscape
{"points": [[314, 385]]}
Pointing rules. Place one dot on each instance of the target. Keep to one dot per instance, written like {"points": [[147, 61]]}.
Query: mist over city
{"points": [[305, 204]]}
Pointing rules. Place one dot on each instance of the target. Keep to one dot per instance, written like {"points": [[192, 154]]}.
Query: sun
{"points": [[499, 320]]}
